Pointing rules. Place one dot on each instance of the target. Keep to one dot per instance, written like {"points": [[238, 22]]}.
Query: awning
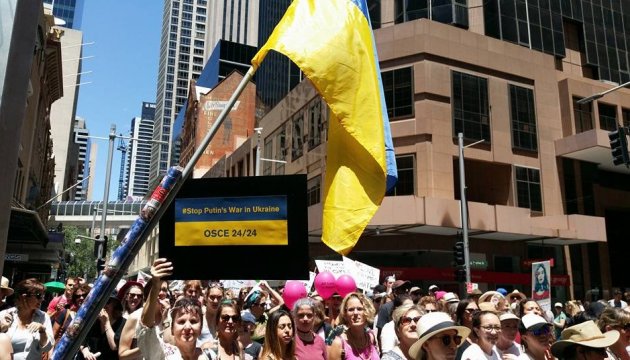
{"points": [[26, 227]]}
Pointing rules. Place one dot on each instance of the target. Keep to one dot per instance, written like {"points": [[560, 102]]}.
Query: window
{"points": [[583, 116], [398, 92], [528, 188], [313, 193], [297, 146], [281, 149], [406, 176], [470, 107], [625, 117], [315, 123], [267, 154], [523, 113], [607, 117]]}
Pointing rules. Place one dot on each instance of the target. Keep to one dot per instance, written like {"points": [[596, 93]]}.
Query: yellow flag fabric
{"points": [[332, 43]]}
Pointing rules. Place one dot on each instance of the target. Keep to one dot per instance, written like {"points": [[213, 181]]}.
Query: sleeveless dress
{"points": [[368, 353]]}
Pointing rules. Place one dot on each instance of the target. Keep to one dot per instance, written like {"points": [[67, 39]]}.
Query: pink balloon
{"points": [[325, 284], [293, 291], [346, 285]]}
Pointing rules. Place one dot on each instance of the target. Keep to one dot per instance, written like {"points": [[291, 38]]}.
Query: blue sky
{"points": [[124, 72]]}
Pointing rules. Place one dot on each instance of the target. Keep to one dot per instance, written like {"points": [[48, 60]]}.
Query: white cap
{"points": [[450, 297], [433, 288], [508, 316], [557, 305], [533, 321]]}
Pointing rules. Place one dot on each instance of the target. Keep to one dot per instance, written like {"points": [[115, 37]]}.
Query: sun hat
{"points": [[558, 304], [487, 306], [414, 289], [517, 293], [533, 322], [488, 295], [403, 284], [450, 297], [508, 316], [475, 292], [585, 334], [4, 285], [431, 324], [434, 288]]}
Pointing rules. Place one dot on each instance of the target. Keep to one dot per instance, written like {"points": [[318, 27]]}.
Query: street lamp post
{"points": [[601, 94]]}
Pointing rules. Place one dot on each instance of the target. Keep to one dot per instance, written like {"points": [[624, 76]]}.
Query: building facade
{"points": [[29, 251], [139, 154], [82, 144], [540, 185]]}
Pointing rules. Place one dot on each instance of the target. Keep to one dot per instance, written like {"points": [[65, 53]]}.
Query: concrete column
{"points": [[18, 26]]}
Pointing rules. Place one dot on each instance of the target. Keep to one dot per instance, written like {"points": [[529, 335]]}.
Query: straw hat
{"points": [[4, 285], [516, 293], [488, 295], [585, 334], [431, 324]]}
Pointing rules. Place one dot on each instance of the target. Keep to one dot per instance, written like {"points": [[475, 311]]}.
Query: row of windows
{"points": [[583, 116]]}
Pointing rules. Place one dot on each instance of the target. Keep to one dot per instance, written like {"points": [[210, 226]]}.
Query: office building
{"points": [[70, 11], [191, 30], [139, 153], [63, 113], [82, 143]]}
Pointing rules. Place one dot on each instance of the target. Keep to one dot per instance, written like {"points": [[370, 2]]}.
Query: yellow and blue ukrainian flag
{"points": [[333, 44]]}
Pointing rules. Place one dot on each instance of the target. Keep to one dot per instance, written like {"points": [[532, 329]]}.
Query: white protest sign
{"points": [[365, 276], [335, 267]]}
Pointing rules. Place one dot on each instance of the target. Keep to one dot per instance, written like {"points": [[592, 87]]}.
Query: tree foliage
{"points": [[80, 256]]}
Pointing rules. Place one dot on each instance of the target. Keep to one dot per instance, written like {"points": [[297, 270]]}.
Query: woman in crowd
{"points": [[320, 326], [65, 316], [242, 294], [406, 318], [104, 337], [356, 313], [185, 327], [279, 337], [128, 348], [307, 344], [227, 325], [192, 289], [428, 304], [535, 336], [6, 350], [438, 338], [388, 337], [214, 295], [256, 302], [487, 327], [251, 349], [529, 306], [506, 346], [30, 330], [463, 317], [616, 319], [131, 296], [584, 342]]}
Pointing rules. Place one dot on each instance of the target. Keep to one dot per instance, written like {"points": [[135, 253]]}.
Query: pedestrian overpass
{"points": [[87, 214]]}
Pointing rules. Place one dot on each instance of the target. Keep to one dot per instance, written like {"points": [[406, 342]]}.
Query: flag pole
{"points": [[122, 257]]}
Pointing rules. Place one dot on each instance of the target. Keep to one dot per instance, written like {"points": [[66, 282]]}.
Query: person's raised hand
{"points": [[161, 268]]}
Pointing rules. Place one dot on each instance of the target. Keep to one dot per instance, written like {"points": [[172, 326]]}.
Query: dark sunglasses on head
{"points": [[226, 318], [407, 320], [446, 339]]}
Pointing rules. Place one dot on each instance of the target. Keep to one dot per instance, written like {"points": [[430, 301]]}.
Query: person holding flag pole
{"points": [[332, 43]]}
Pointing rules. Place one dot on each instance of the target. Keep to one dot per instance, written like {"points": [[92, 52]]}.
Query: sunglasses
{"points": [[134, 295], [215, 285], [36, 295], [78, 296], [257, 304], [446, 340], [542, 331], [405, 320], [234, 318], [471, 311]]}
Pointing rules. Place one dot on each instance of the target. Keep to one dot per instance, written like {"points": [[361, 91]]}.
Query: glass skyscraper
{"points": [[71, 11]]}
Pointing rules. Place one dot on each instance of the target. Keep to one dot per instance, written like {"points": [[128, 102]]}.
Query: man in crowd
{"points": [[58, 303]]}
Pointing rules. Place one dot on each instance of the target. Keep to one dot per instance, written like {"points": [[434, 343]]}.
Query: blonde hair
{"points": [[368, 308]]}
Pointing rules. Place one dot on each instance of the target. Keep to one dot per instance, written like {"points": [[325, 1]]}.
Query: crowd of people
{"points": [[394, 321]]}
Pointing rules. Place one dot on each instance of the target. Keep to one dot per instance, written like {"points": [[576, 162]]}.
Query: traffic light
{"points": [[460, 274], [100, 247], [619, 146], [458, 253]]}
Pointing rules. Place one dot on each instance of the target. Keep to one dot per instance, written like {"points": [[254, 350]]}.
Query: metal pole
{"points": [[463, 204], [108, 175], [94, 211], [257, 170]]}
